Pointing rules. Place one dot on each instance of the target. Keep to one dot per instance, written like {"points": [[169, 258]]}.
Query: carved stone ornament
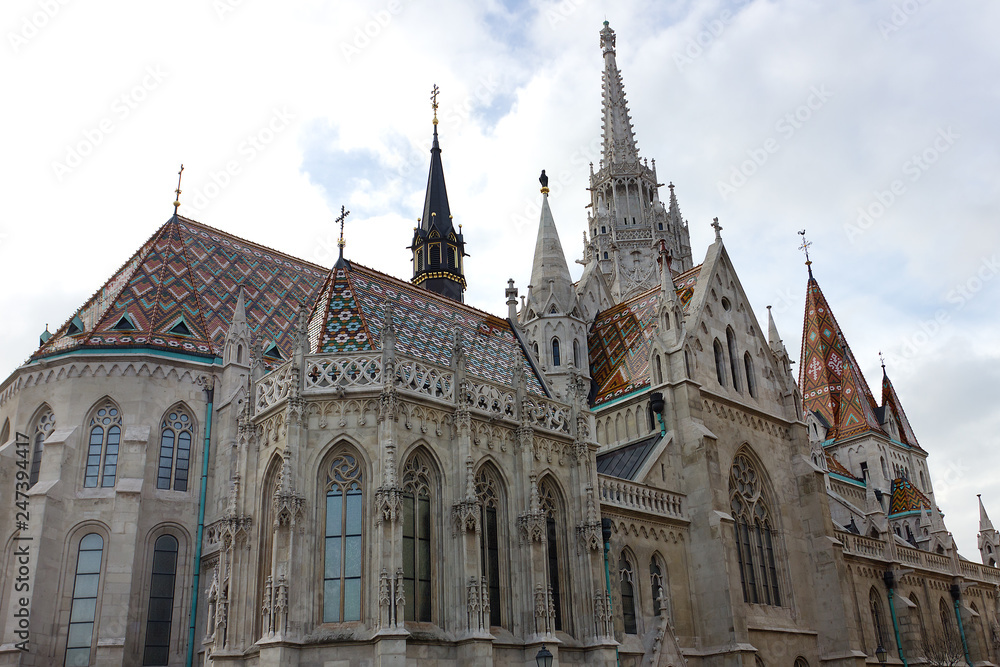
{"points": [[388, 504], [590, 535], [531, 526], [466, 517]]}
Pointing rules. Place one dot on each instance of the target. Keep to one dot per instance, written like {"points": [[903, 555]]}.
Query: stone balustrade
{"points": [[640, 498]]}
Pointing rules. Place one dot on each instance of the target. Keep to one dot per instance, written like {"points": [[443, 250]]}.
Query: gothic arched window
{"points": [[947, 624], [489, 493], [343, 548], [102, 448], [44, 423], [733, 357], [161, 601], [720, 362], [751, 380], [555, 352], [576, 353], [176, 433], [86, 588], [656, 585], [753, 527], [5, 433], [627, 576], [878, 620], [417, 551], [549, 502], [659, 370]]}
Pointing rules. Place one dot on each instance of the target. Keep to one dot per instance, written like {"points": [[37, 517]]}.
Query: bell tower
{"points": [[438, 249]]}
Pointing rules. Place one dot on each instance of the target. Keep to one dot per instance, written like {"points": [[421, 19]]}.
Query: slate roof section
{"points": [[625, 462], [350, 315], [619, 340], [191, 272]]}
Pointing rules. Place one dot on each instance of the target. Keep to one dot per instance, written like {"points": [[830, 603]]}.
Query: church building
{"points": [[230, 456]]}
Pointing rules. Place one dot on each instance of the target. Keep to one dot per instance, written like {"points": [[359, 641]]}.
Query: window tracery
{"points": [[754, 533]]}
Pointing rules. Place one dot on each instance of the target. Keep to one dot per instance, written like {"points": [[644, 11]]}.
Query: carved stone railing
{"points": [[489, 398], [274, 387], [640, 498], [546, 414], [641, 234], [423, 378], [980, 572], [860, 545], [329, 372], [936, 562]]}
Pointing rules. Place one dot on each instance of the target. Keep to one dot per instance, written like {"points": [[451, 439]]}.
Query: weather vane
{"points": [[881, 358], [434, 101], [177, 201], [805, 246], [341, 243]]}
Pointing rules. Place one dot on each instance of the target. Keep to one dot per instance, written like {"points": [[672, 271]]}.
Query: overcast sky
{"points": [[872, 125]]}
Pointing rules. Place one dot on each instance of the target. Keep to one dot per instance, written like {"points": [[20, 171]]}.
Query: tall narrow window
{"points": [[490, 497], [83, 613], [417, 538], [720, 362], [452, 257], [656, 585], [947, 625], [420, 259], [5, 432], [751, 379], [343, 548], [161, 601], [576, 353], [555, 351], [734, 364], [551, 506], [756, 543], [175, 451], [659, 370], [628, 594], [435, 256], [878, 620], [102, 450], [44, 424]]}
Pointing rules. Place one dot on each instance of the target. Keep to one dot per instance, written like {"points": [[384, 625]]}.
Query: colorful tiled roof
{"points": [[906, 498], [349, 315], [831, 382], [837, 467], [179, 290], [619, 340], [889, 397]]}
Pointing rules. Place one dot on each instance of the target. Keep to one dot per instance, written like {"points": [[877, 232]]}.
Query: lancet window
{"points": [[417, 543], [627, 576], [102, 448], [756, 540], [549, 502], [44, 423], [343, 540], [489, 493], [176, 433]]}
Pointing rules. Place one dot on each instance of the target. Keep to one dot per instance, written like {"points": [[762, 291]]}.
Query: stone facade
{"points": [[624, 470]]}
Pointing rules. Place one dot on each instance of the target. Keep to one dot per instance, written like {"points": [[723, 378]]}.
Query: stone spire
{"points": [[773, 339], [984, 520], [438, 250], [619, 140], [989, 538], [549, 271]]}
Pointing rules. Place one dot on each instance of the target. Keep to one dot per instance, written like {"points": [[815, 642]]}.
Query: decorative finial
{"points": [[177, 201], [718, 229], [805, 248], [341, 243], [434, 102], [544, 180], [881, 358]]}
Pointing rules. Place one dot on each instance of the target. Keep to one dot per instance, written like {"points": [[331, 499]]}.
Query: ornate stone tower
{"points": [[553, 324], [627, 219], [438, 250], [989, 538]]}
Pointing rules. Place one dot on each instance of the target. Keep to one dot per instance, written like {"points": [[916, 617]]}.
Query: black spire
{"points": [[438, 249]]}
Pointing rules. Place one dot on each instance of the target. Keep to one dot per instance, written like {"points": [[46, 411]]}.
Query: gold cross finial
{"points": [[177, 201], [341, 243], [434, 101], [805, 246]]}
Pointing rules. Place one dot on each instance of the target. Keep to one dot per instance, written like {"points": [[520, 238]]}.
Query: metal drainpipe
{"points": [[210, 394], [606, 534], [890, 581], [956, 594]]}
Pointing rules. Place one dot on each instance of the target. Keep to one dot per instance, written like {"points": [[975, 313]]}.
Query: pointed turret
{"points": [[989, 538], [438, 249], [831, 382], [550, 279], [773, 339], [893, 409]]}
